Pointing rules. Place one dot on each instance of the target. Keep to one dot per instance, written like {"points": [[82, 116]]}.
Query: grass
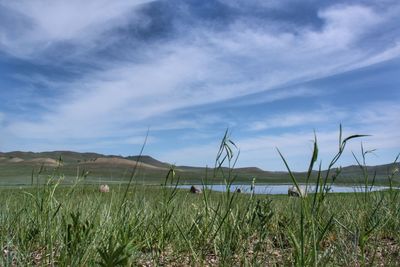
{"points": [[139, 225], [18, 173]]}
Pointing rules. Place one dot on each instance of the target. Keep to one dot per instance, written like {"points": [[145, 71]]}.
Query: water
{"points": [[279, 189]]}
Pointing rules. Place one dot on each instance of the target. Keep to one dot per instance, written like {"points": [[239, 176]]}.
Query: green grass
{"points": [[139, 225], [19, 173], [162, 226]]}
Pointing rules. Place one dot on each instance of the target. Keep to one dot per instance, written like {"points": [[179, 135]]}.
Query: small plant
{"points": [[74, 225], [112, 254], [312, 224], [77, 237]]}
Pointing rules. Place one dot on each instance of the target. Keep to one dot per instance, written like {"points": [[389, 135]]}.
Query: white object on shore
{"points": [[294, 192], [104, 188]]}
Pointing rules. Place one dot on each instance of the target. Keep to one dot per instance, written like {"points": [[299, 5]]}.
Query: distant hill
{"points": [[17, 167], [67, 156], [149, 160]]}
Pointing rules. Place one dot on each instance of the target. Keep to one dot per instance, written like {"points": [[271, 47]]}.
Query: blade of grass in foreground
{"points": [[290, 172], [133, 173]]}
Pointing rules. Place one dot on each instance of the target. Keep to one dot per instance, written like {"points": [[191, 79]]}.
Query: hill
{"points": [[17, 168]]}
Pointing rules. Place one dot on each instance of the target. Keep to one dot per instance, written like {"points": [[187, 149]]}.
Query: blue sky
{"points": [[95, 75]]}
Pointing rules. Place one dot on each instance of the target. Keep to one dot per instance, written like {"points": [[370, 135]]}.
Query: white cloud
{"points": [[296, 147], [389, 53], [307, 54], [196, 155], [343, 25], [379, 120], [271, 4], [184, 73], [258, 151], [124, 94], [310, 118], [48, 22], [200, 68], [380, 113]]}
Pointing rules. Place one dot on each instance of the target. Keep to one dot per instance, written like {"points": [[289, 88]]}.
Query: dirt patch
{"points": [[124, 162], [15, 160], [45, 161]]}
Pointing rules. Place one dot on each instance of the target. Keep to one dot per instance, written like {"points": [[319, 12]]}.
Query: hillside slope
{"points": [[18, 166]]}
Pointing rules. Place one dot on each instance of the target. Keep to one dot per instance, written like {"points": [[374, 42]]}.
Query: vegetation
{"points": [[134, 224], [16, 169]]}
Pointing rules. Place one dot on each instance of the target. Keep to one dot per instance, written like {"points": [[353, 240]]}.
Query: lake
{"points": [[279, 189]]}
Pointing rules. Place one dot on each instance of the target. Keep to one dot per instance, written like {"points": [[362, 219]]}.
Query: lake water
{"points": [[279, 189]]}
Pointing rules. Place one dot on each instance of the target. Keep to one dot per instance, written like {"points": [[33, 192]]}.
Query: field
{"points": [[161, 226], [17, 168], [52, 222]]}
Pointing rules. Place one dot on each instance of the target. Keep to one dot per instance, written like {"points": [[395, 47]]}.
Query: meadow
{"points": [[140, 225]]}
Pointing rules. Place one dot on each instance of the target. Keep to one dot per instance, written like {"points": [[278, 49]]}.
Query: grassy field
{"points": [[50, 223], [151, 226], [17, 167], [13, 174]]}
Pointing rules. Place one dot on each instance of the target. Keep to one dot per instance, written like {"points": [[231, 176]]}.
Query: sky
{"points": [[98, 75]]}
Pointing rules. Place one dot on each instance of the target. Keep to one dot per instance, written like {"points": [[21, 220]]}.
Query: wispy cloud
{"points": [[117, 83], [44, 24], [310, 119], [260, 149]]}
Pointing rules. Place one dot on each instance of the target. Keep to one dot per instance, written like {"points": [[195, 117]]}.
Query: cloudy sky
{"points": [[95, 75]]}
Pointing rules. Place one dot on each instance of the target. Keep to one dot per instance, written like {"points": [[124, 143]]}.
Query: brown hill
{"points": [[122, 162], [15, 160], [44, 161]]}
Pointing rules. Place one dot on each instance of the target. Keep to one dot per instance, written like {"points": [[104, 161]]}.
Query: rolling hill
{"points": [[19, 167]]}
